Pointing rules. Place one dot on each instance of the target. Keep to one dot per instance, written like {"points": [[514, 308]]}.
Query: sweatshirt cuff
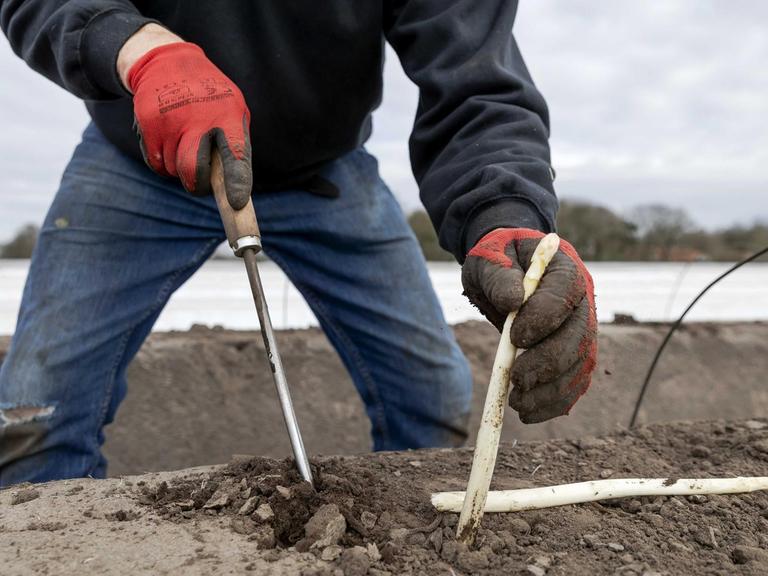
{"points": [[505, 213], [102, 39]]}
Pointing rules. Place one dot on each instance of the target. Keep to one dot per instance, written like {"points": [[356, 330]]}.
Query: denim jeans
{"points": [[118, 240]]}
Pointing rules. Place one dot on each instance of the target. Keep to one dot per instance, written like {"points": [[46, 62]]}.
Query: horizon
{"points": [[646, 106]]}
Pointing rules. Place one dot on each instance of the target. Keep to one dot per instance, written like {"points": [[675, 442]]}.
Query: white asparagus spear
{"points": [[563, 494], [487, 443]]}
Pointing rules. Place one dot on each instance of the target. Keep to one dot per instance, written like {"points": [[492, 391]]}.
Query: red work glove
{"points": [[557, 326], [184, 105]]}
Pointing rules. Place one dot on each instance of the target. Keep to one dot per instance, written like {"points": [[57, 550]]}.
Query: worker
{"points": [[285, 91]]}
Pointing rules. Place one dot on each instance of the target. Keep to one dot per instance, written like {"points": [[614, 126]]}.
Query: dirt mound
{"points": [[361, 509], [371, 514], [199, 397]]}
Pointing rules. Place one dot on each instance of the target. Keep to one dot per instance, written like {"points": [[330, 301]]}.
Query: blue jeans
{"points": [[118, 240]]}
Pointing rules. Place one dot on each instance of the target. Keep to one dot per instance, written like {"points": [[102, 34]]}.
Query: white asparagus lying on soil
{"points": [[489, 434], [580, 492]]}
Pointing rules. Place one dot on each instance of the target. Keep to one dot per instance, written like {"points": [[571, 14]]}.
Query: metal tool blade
{"points": [[278, 374]]}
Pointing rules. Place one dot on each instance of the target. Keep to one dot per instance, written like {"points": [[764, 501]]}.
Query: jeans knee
{"points": [[24, 414], [23, 428]]}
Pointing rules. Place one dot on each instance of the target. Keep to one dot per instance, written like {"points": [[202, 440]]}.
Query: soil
{"points": [[371, 514], [199, 397], [202, 396]]}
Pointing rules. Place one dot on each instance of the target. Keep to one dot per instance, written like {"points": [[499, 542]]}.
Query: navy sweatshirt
{"points": [[311, 73]]}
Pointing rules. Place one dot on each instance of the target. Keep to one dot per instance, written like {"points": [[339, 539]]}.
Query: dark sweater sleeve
{"points": [[72, 42], [479, 147]]}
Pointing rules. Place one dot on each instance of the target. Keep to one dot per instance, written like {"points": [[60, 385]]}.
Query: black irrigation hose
{"points": [[676, 325]]}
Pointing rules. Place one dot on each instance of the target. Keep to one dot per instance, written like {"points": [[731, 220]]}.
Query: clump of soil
{"points": [[366, 503], [372, 514]]}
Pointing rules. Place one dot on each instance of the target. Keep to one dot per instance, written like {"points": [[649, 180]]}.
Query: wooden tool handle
{"points": [[237, 223]]}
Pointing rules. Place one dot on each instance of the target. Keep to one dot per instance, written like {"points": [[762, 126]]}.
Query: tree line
{"points": [[22, 244], [647, 233], [650, 233]]}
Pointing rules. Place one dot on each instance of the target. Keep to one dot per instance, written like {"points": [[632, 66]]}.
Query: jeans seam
{"points": [[161, 295], [370, 384]]}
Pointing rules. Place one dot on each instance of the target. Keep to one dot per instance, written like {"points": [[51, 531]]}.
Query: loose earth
{"points": [[371, 514]]}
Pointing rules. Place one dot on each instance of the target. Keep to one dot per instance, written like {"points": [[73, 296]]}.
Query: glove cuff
{"points": [[509, 213]]}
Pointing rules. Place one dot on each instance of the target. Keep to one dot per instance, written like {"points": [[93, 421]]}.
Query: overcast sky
{"points": [[655, 101]]}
